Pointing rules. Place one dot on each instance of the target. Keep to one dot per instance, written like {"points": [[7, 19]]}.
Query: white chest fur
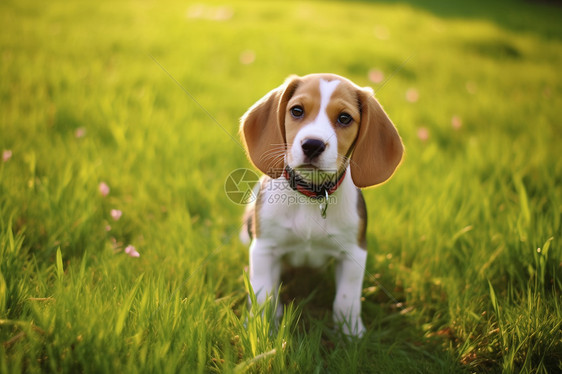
{"points": [[292, 226]]}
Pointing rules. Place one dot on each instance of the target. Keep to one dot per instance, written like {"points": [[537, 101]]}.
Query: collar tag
{"points": [[323, 204]]}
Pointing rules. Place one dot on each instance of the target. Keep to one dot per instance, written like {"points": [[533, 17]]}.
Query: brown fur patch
{"points": [[344, 100], [379, 149], [257, 206], [262, 129], [362, 211], [248, 221]]}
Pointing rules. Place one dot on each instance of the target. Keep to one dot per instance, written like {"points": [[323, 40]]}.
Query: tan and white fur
{"points": [[349, 132]]}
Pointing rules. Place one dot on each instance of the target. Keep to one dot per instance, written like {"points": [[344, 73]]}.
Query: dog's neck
{"points": [[310, 189]]}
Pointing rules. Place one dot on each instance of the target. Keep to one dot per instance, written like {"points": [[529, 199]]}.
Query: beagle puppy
{"points": [[318, 139]]}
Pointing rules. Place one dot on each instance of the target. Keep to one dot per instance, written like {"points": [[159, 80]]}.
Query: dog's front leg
{"points": [[349, 283], [265, 272]]}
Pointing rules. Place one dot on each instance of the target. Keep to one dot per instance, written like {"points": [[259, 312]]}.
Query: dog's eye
{"points": [[297, 111], [344, 119]]}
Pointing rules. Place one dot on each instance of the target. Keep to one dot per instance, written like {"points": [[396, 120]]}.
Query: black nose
{"points": [[312, 148]]}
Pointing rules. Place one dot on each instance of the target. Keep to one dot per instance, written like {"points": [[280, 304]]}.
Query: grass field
{"points": [[465, 254]]}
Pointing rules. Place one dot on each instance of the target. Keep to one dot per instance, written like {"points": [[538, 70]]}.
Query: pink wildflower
{"points": [[412, 95], [80, 132], [247, 57], [456, 122], [104, 189], [423, 134], [132, 251], [381, 32], [6, 155], [116, 214], [376, 76]]}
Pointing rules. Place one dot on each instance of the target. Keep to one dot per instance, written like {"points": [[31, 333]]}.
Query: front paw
{"points": [[350, 327]]}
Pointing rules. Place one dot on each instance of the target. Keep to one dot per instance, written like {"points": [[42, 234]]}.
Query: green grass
{"points": [[465, 253]]}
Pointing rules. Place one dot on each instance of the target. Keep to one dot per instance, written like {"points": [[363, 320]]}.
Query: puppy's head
{"points": [[322, 122]]}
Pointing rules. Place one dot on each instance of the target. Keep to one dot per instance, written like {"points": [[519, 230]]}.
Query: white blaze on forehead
{"points": [[326, 91], [320, 128]]}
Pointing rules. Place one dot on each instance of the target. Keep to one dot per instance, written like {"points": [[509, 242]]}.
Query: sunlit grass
{"points": [[104, 154]]}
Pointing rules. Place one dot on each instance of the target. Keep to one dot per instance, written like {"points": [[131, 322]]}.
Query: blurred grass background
{"points": [[465, 259]]}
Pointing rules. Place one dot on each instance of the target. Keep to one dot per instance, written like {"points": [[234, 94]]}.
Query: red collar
{"points": [[309, 189]]}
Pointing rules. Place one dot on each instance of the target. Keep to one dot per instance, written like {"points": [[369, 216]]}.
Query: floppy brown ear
{"points": [[263, 129], [378, 148]]}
